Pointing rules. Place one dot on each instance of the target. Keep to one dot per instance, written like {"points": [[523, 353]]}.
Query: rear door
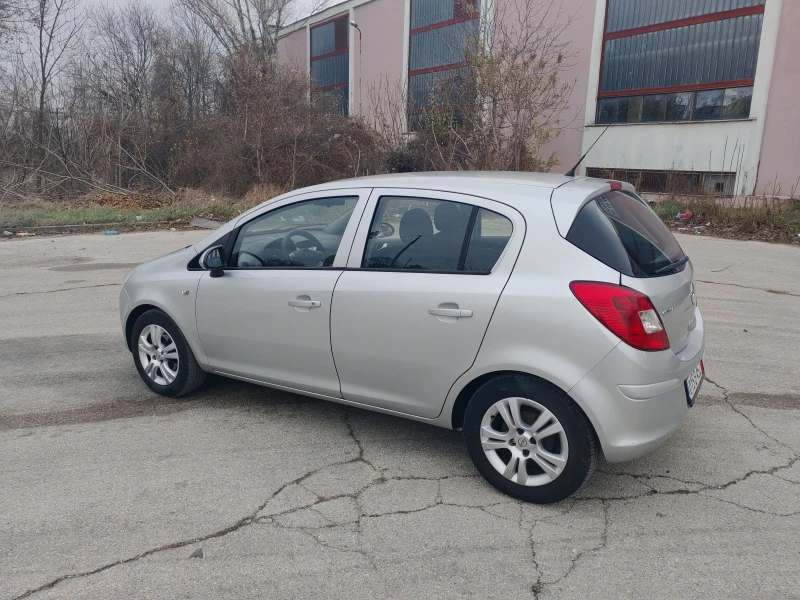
{"points": [[423, 279], [621, 230]]}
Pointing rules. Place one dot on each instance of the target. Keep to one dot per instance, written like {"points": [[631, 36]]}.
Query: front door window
{"points": [[304, 234]]}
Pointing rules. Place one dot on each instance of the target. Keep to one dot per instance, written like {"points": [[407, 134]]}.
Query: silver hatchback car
{"points": [[548, 317]]}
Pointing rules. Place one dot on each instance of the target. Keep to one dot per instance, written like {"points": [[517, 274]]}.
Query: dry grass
{"points": [[124, 209], [762, 218], [750, 218]]}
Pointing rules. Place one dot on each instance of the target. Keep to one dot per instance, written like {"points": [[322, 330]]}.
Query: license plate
{"points": [[692, 384]]}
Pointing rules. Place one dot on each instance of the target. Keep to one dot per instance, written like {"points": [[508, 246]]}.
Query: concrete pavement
{"points": [[106, 490]]}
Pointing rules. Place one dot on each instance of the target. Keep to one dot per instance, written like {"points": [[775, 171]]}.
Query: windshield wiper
{"points": [[673, 266]]}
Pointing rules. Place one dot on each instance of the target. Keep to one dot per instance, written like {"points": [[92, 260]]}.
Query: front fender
{"points": [[168, 285]]}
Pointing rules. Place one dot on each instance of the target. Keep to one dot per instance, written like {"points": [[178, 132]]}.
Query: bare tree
{"points": [[123, 48], [199, 98], [251, 25], [496, 112], [56, 27], [194, 60], [11, 15]]}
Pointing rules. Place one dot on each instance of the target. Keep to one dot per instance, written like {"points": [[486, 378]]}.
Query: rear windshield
{"points": [[622, 231]]}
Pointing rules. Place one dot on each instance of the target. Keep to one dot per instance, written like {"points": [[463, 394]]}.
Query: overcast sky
{"points": [[303, 7]]}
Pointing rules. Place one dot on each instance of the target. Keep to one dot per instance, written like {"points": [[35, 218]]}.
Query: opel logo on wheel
{"points": [[522, 442]]}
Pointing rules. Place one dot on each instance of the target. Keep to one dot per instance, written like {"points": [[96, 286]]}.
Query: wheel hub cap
{"points": [[524, 441], [158, 354]]}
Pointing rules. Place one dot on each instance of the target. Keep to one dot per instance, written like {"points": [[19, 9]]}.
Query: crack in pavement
{"points": [[725, 396], [748, 287], [792, 481], [78, 287], [602, 545], [755, 510], [243, 522], [536, 588], [705, 488]]}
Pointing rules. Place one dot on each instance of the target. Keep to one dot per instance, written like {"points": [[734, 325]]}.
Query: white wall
{"points": [[699, 146]]}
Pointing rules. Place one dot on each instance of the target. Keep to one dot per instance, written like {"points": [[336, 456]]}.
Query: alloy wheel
{"points": [[158, 354], [524, 441]]}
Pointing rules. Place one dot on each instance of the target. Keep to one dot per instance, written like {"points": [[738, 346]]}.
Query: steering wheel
{"points": [[387, 230], [256, 256], [287, 240]]}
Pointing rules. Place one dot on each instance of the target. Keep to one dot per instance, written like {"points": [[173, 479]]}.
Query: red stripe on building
{"points": [[439, 68], [329, 54], [330, 87], [695, 87], [443, 24], [720, 16], [330, 20]]}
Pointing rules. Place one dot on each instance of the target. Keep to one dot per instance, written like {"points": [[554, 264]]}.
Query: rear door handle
{"points": [[305, 303], [458, 313]]}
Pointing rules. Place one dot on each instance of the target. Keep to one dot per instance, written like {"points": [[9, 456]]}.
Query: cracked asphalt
{"points": [[238, 491]]}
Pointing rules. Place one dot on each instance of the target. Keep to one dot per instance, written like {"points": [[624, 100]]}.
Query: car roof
{"points": [[454, 181], [475, 183]]}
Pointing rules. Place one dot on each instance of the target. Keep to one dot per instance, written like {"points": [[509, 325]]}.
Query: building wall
{"points": [[293, 48], [701, 146], [779, 168], [381, 62], [579, 33], [765, 147]]}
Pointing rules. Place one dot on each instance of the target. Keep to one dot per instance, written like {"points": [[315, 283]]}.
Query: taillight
{"points": [[626, 313]]}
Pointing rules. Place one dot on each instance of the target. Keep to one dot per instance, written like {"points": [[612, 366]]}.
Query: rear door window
{"points": [[622, 231], [419, 234], [489, 238]]}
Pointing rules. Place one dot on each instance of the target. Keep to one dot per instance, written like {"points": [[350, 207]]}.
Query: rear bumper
{"points": [[635, 399]]}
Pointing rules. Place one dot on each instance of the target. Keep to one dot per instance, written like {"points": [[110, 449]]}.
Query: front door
{"points": [[424, 276], [267, 318]]}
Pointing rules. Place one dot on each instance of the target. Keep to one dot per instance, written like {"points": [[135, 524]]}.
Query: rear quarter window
{"points": [[622, 231]]}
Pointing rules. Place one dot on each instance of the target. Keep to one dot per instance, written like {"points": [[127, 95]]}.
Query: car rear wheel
{"points": [[163, 357], [529, 439]]}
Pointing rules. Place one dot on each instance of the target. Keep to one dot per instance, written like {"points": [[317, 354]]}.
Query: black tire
{"points": [[190, 376], [580, 436]]}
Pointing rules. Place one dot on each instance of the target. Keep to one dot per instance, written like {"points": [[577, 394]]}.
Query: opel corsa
{"points": [[548, 317]]}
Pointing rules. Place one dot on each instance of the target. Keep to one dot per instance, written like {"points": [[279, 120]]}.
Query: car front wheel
{"points": [[529, 439], [163, 357]]}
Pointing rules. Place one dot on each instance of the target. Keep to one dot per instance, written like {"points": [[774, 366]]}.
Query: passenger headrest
{"points": [[447, 217], [414, 223]]}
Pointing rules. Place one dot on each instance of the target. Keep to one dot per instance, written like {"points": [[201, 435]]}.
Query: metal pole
{"points": [[355, 25]]}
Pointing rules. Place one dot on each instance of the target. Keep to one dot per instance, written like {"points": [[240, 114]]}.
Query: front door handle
{"points": [[458, 313], [305, 303]]}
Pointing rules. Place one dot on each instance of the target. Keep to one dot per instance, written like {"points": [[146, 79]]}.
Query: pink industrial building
{"points": [[702, 90]]}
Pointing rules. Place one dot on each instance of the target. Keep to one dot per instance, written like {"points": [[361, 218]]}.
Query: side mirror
{"points": [[211, 261]]}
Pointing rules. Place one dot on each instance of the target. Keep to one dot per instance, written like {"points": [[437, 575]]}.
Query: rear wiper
{"points": [[673, 266]]}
